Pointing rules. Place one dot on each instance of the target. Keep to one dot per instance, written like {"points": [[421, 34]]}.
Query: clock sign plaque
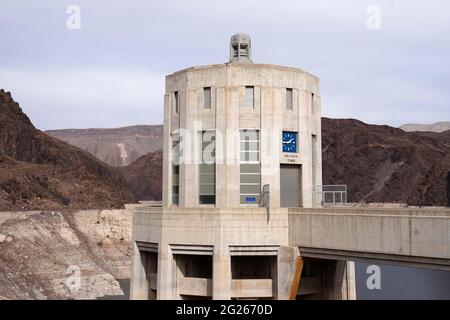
{"points": [[289, 142], [290, 147]]}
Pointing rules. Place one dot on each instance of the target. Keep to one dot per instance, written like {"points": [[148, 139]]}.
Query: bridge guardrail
{"points": [[330, 195]]}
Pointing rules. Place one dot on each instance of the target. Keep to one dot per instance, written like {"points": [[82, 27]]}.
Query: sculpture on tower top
{"points": [[241, 48]]}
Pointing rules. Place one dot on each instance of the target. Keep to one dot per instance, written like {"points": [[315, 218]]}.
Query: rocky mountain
{"points": [[436, 127], [385, 164], [41, 172], [442, 136], [117, 147], [145, 176], [378, 164], [42, 251]]}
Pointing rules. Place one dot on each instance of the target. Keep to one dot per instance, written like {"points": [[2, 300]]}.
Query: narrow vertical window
{"points": [[207, 98], [250, 96], [175, 170], [207, 168], [312, 103], [314, 158], [250, 169], [176, 102], [289, 99]]}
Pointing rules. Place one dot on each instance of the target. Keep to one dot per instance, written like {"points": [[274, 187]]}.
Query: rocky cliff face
{"points": [[64, 255], [385, 164], [117, 147], [145, 175], [378, 163], [41, 172]]}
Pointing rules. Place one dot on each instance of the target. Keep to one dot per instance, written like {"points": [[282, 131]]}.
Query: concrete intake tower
{"points": [[242, 147]]}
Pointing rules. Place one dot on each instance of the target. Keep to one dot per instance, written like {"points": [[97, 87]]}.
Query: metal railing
{"points": [[330, 195]]}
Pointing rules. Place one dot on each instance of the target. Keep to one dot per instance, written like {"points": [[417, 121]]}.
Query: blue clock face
{"points": [[289, 141]]}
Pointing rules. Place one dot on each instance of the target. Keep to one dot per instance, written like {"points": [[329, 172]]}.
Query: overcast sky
{"points": [[110, 72]]}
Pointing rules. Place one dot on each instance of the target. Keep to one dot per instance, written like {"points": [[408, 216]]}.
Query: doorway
{"points": [[290, 186]]}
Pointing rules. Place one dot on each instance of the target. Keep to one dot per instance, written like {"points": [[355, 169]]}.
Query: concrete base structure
{"points": [[241, 253], [250, 253]]}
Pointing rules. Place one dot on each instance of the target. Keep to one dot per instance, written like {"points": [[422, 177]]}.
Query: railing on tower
{"points": [[330, 195]]}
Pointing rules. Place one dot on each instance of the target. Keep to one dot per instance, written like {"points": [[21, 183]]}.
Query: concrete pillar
{"points": [[167, 158], [179, 269], [286, 261], [188, 170], [232, 181], [221, 174], [349, 285], [221, 282], [138, 283], [166, 274], [270, 146], [339, 280]]}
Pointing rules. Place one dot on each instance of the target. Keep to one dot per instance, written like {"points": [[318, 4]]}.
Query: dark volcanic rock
{"points": [[145, 175], [448, 189], [41, 172], [378, 163], [385, 164]]}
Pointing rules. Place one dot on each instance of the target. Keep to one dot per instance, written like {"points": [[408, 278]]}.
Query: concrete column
{"points": [[339, 280], [138, 283], [232, 109], [179, 266], [221, 282], [271, 127], [190, 174], [167, 158], [304, 137], [286, 261], [166, 274], [188, 168], [221, 174], [349, 285]]}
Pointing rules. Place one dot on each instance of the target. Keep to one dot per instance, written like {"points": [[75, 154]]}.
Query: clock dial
{"points": [[289, 140]]}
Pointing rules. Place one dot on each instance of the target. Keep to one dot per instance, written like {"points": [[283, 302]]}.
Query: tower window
{"points": [[250, 169], [289, 100], [176, 102], [250, 96], [314, 158], [240, 50], [207, 168], [207, 98], [312, 103], [175, 170]]}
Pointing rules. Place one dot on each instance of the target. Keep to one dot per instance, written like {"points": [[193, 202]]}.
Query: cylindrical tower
{"points": [[230, 129]]}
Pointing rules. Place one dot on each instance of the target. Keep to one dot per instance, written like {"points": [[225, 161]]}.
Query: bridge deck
{"points": [[404, 236]]}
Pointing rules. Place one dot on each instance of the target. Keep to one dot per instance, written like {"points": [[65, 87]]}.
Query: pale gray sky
{"points": [[111, 72]]}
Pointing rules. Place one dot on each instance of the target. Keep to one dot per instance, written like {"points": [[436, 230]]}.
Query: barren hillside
{"points": [[41, 172], [64, 255], [117, 147], [385, 164], [435, 127], [378, 163], [145, 176]]}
